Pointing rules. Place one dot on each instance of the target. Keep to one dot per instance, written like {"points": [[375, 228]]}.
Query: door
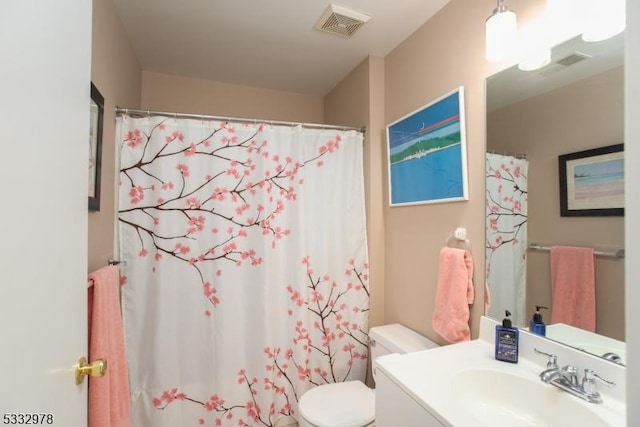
{"points": [[45, 59]]}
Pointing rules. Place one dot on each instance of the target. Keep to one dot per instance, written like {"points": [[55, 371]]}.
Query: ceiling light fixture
{"points": [[603, 19], [501, 33], [534, 47], [535, 59]]}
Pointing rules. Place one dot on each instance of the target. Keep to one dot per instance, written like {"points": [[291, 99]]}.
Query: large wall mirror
{"points": [[573, 104]]}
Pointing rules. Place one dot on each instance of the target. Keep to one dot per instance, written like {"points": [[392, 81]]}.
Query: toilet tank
{"points": [[395, 338]]}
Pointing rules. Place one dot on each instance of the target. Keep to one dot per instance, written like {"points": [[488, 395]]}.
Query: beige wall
{"points": [[584, 115], [359, 100], [445, 53], [116, 73], [166, 92]]}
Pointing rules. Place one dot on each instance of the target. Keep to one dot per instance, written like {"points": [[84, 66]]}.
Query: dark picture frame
{"points": [[592, 182], [95, 147]]}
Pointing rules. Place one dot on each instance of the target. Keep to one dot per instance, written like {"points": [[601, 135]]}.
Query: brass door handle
{"points": [[97, 368]]}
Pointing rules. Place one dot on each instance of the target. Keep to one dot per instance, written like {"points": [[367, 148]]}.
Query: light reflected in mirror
{"points": [[574, 104]]}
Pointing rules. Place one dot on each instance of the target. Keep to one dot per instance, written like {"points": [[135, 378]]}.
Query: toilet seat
{"points": [[347, 404]]}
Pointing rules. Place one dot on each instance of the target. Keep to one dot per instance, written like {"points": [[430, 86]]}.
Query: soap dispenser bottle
{"points": [[507, 340], [536, 325]]}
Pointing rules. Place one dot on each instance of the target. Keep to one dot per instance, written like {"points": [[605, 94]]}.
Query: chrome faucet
{"points": [[568, 374], [613, 357], [566, 378]]}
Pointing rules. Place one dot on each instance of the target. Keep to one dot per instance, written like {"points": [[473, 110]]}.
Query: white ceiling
{"points": [[264, 43]]}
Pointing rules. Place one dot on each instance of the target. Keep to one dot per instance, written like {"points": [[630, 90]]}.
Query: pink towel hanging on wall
{"points": [[109, 400], [454, 294], [573, 287]]}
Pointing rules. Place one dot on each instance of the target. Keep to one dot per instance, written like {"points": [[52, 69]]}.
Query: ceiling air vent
{"points": [[341, 21], [572, 59], [563, 63]]}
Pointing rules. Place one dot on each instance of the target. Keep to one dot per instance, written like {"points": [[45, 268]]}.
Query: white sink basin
{"points": [[496, 398]]}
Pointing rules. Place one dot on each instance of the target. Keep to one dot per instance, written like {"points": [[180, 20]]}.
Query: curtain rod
{"points": [[617, 254], [143, 113]]}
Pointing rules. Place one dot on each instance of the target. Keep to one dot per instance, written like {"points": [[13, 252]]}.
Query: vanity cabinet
{"points": [[395, 407]]}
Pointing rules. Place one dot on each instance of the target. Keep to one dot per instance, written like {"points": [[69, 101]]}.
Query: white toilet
{"points": [[352, 403]]}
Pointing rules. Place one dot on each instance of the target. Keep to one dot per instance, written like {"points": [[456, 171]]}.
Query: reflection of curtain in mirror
{"points": [[506, 236]]}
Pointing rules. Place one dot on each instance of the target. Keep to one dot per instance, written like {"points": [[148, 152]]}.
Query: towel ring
{"points": [[459, 239]]}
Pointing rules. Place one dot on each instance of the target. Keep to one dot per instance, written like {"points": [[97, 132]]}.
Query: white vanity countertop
{"points": [[427, 376]]}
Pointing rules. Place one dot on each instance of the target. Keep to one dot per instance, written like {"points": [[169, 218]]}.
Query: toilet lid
{"points": [[347, 404]]}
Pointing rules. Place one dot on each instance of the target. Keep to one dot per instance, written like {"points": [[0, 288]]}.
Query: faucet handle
{"points": [[589, 382], [552, 363]]}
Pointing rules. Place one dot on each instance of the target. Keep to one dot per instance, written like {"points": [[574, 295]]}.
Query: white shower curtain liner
{"points": [[247, 274]]}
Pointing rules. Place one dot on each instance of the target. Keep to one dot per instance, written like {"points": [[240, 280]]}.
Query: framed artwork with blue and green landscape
{"points": [[427, 154], [592, 182]]}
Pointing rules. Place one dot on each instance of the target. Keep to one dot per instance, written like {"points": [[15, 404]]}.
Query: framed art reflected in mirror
{"points": [[592, 182], [95, 147]]}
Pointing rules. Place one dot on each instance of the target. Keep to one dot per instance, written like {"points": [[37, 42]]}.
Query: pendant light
{"points": [[603, 19], [501, 34], [534, 49]]}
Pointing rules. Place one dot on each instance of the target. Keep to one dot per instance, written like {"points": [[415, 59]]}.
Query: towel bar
{"points": [[617, 254]]}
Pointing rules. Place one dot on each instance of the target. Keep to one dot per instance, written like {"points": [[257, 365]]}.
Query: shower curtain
{"points": [[246, 279], [506, 236]]}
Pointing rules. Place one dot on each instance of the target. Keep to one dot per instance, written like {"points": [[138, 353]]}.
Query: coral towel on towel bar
{"points": [[109, 401], [573, 287]]}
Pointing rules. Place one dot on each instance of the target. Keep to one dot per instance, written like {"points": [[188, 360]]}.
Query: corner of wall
{"points": [[117, 74]]}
